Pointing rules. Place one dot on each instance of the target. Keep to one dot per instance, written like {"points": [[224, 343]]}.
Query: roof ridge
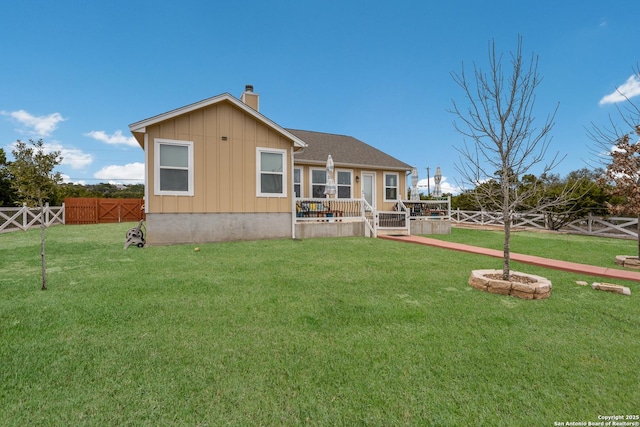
{"points": [[323, 133]]}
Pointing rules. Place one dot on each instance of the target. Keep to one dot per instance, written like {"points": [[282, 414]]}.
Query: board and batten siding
{"points": [[224, 170]]}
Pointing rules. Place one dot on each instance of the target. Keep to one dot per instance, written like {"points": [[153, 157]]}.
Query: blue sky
{"points": [[78, 73]]}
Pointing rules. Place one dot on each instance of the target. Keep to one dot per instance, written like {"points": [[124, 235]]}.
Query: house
{"points": [[219, 170]]}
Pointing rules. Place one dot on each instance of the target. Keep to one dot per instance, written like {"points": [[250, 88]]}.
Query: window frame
{"points": [[259, 172], [349, 186], [157, 144], [397, 186], [312, 184], [300, 183]]}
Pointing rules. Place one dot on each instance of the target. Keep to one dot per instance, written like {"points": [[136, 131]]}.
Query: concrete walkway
{"points": [[573, 267]]}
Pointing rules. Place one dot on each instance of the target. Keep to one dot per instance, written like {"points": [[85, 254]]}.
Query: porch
{"points": [[315, 217]]}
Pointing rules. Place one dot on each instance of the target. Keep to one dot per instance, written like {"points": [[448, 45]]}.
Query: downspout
{"points": [[146, 174], [292, 192]]}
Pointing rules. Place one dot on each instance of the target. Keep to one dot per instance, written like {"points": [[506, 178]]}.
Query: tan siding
{"points": [[224, 170]]}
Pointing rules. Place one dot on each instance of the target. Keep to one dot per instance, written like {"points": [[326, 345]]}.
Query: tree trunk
{"points": [[506, 218], [44, 262], [638, 232]]}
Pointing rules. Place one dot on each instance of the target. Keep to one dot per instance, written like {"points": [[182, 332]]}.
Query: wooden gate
{"points": [[97, 211]]}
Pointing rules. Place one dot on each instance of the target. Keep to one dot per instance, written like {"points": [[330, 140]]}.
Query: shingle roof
{"points": [[345, 151]]}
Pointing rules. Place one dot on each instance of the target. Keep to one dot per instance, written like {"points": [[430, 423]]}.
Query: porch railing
{"points": [[432, 209], [330, 210], [351, 210], [393, 220]]}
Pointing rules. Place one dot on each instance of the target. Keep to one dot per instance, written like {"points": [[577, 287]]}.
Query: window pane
{"points": [[296, 189], [318, 191], [174, 180], [391, 193], [344, 192], [174, 155], [319, 177], [271, 162], [296, 175], [344, 178], [271, 183], [391, 180]]}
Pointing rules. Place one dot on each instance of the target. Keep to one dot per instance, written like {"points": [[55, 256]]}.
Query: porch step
{"points": [[393, 232]]}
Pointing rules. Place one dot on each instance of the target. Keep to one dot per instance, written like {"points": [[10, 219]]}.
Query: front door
{"points": [[369, 188]]}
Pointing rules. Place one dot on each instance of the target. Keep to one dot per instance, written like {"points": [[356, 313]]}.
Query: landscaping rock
{"points": [[521, 285], [627, 261], [609, 287], [581, 283]]}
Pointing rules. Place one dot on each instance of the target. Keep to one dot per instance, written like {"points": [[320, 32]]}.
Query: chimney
{"points": [[250, 98]]}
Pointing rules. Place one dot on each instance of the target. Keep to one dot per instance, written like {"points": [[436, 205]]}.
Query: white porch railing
{"points": [[433, 209], [13, 219], [589, 225], [351, 210]]}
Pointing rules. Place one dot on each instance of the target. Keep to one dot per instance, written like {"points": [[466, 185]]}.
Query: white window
{"points": [[318, 183], [390, 187], [173, 167], [297, 182], [344, 184], [272, 170]]}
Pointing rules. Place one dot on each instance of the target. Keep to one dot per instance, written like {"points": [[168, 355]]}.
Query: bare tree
{"points": [[498, 118], [618, 146], [34, 182]]}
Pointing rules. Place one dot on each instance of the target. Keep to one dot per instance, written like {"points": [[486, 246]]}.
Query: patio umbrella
{"points": [[330, 187], [437, 190], [414, 184]]}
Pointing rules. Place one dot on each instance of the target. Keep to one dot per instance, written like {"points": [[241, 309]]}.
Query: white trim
{"points": [[311, 183], [351, 186], [157, 142], [140, 127], [384, 186], [146, 173], [260, 150], [374, 186], [293, 182]]}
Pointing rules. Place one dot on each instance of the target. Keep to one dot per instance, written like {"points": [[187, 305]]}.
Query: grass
{"points": [[349, 331], [591, 250]]}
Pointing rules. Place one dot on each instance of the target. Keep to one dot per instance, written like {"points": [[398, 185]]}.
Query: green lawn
{"points": [[339, 332]]}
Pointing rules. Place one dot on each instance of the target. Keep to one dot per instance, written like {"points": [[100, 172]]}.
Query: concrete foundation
{"points": [[419, 226], [308, 230], [167, 229]]}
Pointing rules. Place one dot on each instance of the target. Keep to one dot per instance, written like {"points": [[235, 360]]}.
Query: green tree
{"points": [[35, 182], [7, 194], [620, 141], [499, 119]]}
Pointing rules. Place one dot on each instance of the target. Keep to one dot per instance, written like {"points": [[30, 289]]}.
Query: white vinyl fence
{"points": [[591, 225], [13, 219]]}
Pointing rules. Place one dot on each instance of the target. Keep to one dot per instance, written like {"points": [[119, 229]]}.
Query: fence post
{"points": [[589, 223], [24, 216]]}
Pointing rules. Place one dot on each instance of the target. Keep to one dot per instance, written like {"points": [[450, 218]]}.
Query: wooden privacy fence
{"points": [[98, 211]]}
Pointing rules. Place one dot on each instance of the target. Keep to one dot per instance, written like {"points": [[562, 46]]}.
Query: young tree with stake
{"points": [[498, 118], [34, 182]]}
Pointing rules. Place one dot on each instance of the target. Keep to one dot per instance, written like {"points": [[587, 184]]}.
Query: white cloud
{"points": [[114, 139], [71, 157], [445, 186], [67, 180], [130, 173], [628, 90], [40, 125]]}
